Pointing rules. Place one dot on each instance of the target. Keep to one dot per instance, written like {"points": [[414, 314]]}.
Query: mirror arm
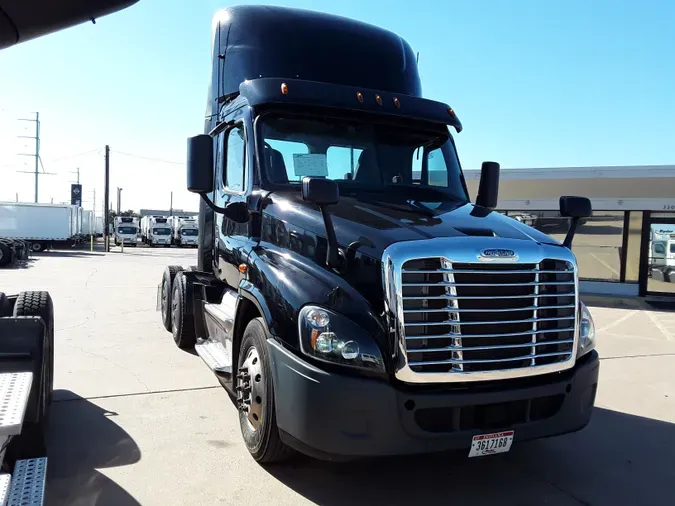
{"points": [[570, 233], [213, 206], [332, 255]]}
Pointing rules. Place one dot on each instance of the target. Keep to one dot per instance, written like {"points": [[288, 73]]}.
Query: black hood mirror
{"points": [[575, 208], [488, 188], [324, 192]]}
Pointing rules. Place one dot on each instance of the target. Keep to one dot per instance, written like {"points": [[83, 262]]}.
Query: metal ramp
{"points": [[25, 487]]}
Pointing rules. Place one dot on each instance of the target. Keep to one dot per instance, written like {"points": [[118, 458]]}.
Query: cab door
{"points": [[231, 185]]}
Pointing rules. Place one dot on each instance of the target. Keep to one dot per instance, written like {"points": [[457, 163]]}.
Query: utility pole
{"points": [[171, 205], [93, 212], [35, 155], [17, 196], [106, 199], [76, 171]]}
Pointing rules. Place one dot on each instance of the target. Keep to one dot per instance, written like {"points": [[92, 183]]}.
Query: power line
{"points": [[67, 157], [148, 158]]}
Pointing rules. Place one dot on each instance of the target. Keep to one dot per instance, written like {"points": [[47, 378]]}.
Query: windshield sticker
{"points": [[310, 165]]}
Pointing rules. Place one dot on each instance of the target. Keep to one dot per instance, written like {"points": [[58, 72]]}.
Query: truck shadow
{"points": [[619, 459], [82, 437]]}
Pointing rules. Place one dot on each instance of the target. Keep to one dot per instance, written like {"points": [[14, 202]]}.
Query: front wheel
{"points": [[255, 398]]}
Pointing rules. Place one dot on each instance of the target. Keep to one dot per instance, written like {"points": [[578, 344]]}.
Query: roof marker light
{"points": [[359, 96], [284, 88], [397, 103], [378, 99]]}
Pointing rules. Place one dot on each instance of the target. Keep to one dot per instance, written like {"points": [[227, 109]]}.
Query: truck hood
{"points": [[378, 220]]}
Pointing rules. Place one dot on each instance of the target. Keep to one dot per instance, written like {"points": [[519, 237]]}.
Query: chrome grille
{"points": [[483, 317]]}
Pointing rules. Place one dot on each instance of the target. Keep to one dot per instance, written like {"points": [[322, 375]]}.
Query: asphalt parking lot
{"points": [[137, 421]]}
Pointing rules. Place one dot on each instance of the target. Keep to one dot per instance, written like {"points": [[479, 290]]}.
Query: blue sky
{"points": [[535, 83]]}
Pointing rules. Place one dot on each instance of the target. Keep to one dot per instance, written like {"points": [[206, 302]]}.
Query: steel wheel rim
{"points": [[174, 309], [251, 392], [165, 298]]}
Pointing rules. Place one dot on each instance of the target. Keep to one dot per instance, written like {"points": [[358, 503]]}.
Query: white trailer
{"points": [[98, 226], [185, 231], [156, 231], [43, 226], [126, 230], [87, 223]]}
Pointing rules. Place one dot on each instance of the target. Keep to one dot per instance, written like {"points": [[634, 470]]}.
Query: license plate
{"points": [[489, 444]]}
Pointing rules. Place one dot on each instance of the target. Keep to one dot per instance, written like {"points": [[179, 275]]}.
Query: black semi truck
{"points": [[348, 294]]}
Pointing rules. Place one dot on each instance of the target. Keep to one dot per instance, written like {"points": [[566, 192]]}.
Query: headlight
{"points": [[586, 331], [328, 336]]}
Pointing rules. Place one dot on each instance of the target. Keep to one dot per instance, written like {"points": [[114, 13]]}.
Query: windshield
{"points": [[189, 231], [359, 156], [161, 231], [126, 230]]}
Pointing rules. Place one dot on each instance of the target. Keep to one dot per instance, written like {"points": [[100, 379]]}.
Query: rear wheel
{"points": [[167, 289], [182, 320], [5, 254], [255, 398]]}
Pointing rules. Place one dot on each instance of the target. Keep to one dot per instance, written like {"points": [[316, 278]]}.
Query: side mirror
{"points": [[488, 188], [323, 192], [200, 164], [237, 212], [575, 208]]}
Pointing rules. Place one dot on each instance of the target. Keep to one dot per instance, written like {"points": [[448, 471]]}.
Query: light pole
{"points": [[119, 200]]}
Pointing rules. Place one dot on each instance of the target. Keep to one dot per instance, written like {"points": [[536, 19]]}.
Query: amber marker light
{"points": [[243, 268], [359, 96], [284, 88], [397, 103], [378, 99]]}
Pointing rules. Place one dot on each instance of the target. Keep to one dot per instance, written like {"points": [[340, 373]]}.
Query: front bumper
{"points": [[333, 416]]}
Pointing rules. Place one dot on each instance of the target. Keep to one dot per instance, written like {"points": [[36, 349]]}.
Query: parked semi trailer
{"points": [[185, 231], [350, 308], [42, 226], [156, 231]]}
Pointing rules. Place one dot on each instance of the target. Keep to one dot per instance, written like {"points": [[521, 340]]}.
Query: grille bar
{"points": [[464, 271], [511, 334], [490, 297], [498, 347], [556, 283], [489, 322], [499, 310], [490, 361]]}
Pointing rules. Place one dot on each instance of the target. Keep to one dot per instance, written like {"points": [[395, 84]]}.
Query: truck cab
{"points": [[185, 231], [348, 292], [126, 230]]}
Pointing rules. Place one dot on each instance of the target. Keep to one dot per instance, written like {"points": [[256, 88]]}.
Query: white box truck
{"points": [[662, 252], [126, 230], [185, 231], [156, 231], [42, 226], [87, 223]]}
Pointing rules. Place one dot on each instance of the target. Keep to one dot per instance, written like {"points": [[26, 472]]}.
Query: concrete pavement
{"points": [[137, 421]]}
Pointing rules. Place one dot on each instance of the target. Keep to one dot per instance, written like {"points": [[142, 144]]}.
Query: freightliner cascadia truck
{"points": [[348, 293]]}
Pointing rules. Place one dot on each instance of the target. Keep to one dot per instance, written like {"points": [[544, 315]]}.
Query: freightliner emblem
{"points": [[497, 254]]}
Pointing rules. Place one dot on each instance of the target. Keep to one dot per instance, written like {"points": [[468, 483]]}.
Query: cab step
{"points": [[216, 356], [26, 485]]}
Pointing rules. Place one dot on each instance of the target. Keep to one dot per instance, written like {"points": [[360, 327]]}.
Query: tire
{"points": [[36, 247], [3, 305], [40, 304], [5, 254], [182, 322], [253, 384], [167, 291]]}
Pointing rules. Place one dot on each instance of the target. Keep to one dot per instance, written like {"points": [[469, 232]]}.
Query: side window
{"points": [[438, 171], [233, 175], [659, 248]]}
